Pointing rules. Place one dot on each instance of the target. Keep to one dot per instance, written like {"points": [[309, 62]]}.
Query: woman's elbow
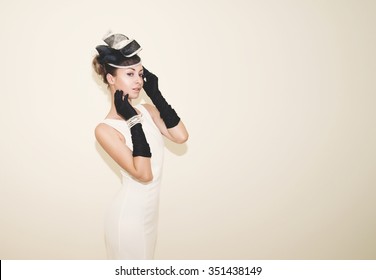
{"points": [[182, 138], [145, 178]]}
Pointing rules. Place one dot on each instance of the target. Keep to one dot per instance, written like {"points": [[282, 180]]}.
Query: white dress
{"points": [[132, 217]]}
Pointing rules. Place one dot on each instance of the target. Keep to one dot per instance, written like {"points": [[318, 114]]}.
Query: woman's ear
{"points": [[110, 79]]}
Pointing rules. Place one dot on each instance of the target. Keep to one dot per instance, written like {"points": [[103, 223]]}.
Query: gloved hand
{"points": [[122, 105], [151, 88], [150, 83], [124, 108]]}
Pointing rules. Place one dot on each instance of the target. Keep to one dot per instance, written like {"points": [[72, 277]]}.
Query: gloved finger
{"points": [[118, 97], [147, 74], [146, 71]]}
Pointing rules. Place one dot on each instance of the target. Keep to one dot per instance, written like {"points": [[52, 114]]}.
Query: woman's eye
{"points": [[130, 74]]}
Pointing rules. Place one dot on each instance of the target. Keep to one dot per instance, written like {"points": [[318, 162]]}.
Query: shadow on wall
{"points": [[176, 149]]}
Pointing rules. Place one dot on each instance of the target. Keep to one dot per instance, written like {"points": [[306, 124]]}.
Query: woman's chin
{"points": [[134, 95]]}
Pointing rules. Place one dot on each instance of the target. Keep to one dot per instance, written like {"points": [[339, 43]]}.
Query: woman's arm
{"points": [[177, 134], [163, 114], [136, 163], [114, 144]]}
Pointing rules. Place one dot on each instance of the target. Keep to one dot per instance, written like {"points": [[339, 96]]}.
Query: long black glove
{"points": [[124, 109], [168, 114]]}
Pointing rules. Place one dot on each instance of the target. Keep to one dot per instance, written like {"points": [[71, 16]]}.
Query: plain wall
{"points": [[278, 97]]}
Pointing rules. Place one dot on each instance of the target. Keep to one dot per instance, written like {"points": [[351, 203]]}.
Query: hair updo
{"points": [[102, 69]]}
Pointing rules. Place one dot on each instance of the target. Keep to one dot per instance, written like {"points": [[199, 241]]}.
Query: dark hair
{"points": [[104, 69]]}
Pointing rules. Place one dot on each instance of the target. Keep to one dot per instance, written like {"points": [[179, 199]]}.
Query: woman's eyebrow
{"points": [[135, 69]]}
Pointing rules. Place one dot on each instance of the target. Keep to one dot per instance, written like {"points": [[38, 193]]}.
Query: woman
{"points": [[132, 136]]}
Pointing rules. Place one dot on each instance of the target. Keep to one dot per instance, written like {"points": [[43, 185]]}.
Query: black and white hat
{"points": [[119, 47]]}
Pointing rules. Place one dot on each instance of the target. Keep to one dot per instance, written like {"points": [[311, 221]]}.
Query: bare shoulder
{"points": [[104, 132]]}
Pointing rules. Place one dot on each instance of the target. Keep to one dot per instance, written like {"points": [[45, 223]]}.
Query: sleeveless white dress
{"points": [[132, 217]]}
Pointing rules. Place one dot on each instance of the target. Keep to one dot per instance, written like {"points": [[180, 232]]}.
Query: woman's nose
{"points": [[139, 80]]}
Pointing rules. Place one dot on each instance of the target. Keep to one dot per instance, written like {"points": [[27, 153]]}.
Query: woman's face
{"points": [[129, 80]]}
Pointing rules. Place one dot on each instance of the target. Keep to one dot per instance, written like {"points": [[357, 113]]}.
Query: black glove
{"points": [[168, 114], [125, 109]]}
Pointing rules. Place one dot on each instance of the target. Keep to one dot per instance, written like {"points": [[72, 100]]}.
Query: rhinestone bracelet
{"points": [[134, 120]]}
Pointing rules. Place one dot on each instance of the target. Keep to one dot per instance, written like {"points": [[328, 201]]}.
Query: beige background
{"points": [[278, 96]]}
